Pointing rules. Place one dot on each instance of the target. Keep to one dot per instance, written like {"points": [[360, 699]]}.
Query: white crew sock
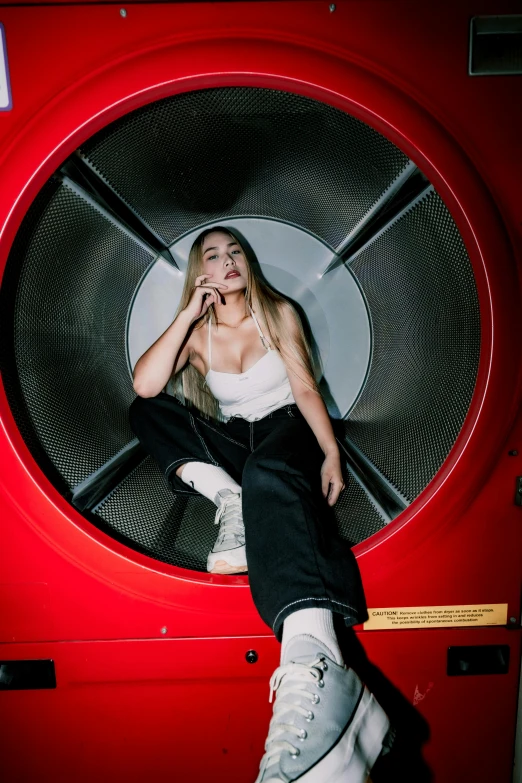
{"points": [[208, 479], [314, 622]]}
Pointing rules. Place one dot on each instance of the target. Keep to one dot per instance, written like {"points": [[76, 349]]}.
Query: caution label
{"points": [[436, 616]]}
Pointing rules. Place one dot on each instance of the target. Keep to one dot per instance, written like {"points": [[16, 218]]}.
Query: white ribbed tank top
{"points": [[254, 393]]}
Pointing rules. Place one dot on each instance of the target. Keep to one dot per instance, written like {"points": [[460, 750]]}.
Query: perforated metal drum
{"points": [[340, 221]]}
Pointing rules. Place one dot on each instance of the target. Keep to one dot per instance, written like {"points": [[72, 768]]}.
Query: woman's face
{"points": [[225, 261]]}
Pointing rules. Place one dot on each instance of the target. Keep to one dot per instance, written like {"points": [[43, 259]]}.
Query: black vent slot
{"points": [[495, 47], [478, 659], [27, 675]]}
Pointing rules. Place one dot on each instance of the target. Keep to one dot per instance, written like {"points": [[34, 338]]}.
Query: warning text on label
{"points": [[436, 616]]}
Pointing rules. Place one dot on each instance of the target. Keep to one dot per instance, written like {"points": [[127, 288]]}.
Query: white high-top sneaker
{"points": [[228, 554], [326, 726]]}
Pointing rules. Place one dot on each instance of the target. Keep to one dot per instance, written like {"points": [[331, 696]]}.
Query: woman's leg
{"points": [[326, 724], [228, 555], [173, 435], [296, 558], [207, 479], [184, 443], [315, 622]]}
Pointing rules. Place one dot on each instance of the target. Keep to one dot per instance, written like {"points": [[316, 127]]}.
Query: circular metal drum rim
{"points": [[102, 97]]}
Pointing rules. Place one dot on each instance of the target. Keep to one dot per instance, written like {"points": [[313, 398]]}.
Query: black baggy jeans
{"points": [[296, 558]]}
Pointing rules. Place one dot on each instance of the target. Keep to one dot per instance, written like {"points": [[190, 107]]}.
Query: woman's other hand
{"points": [[332, 482], [204, 294]]}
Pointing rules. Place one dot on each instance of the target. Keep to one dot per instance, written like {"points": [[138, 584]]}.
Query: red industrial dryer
{"points": [[370, 154]]}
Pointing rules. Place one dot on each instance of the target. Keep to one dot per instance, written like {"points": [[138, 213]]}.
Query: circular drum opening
{"points": [[340, 220]]}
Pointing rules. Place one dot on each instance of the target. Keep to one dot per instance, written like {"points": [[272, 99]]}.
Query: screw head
{"points": [[251, 656], [164, 629], [332, 7], [123, 12], [512, 620], [513, 453]]}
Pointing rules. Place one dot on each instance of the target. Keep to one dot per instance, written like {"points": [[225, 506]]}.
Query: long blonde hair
{"points": [[285, 334]]}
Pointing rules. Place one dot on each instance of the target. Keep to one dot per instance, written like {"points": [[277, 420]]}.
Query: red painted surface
{"points": [[66, 587], [139, 710]]}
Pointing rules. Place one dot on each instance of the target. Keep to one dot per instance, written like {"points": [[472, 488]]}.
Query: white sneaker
{"points": [[228, 554], [326, 726]]}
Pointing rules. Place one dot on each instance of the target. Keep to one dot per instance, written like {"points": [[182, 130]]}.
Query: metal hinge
{"points": [[518, 492]]}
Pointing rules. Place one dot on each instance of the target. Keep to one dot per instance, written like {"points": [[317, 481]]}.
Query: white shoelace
{"points": [[229, 517], [289, 680]]}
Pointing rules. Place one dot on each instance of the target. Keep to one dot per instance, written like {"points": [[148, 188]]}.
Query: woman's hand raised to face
{"points": [[205, 293], [332, 482]]}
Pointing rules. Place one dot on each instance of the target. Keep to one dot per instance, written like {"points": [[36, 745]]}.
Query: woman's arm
{"points": [[167, 355], [311, 405], [170, 353]]}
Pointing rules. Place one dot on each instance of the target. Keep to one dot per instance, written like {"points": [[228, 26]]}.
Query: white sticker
{"points": [[6, 103]]}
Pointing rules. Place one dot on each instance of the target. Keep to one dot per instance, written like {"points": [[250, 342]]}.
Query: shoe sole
{"points": [[231, 562], [352, 758], [221, 567]]}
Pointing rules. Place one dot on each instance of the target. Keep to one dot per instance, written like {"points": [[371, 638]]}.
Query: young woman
{"points": [[255, 438]]}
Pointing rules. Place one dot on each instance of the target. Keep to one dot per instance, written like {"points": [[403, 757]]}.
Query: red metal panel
{"points": [[470, 719], [134, 710], [140, 710], [400, 67]]}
